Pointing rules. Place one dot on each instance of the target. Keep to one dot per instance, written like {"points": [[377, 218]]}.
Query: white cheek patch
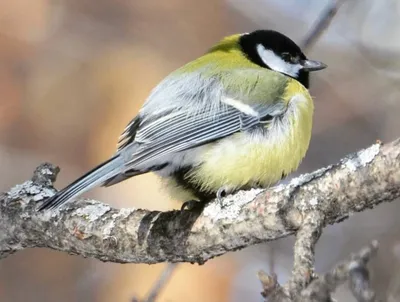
{"points": [[276, 63]]}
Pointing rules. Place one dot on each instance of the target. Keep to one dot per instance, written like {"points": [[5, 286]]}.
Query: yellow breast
{"points": [[246, 159]]}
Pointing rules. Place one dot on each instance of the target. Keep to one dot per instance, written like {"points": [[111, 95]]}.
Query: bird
{"points": [[237, 117]]}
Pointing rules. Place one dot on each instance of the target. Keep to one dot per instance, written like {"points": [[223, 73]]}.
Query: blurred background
{"points": [[74, 72]]}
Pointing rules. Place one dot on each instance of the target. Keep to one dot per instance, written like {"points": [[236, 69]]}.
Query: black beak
{"points": [[310, 65]]}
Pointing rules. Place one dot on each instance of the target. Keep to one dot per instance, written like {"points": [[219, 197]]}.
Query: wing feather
{"points": [[187, 132], [202, 112]]}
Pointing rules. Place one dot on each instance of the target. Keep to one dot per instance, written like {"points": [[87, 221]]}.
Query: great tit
{"points": [[238, 117]]}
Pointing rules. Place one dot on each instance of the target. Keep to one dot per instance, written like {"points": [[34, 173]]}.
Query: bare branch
{"points": [[322, 24], [161, 282], [320, 289], [272, 290], [359, 275], [159, 285], [303, 266], [92, 229]]}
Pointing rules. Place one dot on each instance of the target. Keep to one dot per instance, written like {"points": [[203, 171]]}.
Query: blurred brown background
{"points": [[74, 72]]}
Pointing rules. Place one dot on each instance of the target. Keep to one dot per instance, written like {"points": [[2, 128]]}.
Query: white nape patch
{"points": [[276, 63], [242, 107]]}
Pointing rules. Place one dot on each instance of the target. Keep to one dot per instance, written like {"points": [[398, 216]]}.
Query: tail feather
{"points": [[121, 177], [93, 178]]}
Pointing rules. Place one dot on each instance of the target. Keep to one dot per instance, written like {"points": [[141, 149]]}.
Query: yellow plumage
{"points": [[245, 160]]}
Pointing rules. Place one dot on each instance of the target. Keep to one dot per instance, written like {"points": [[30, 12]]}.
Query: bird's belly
{"points": [[251, 159]]}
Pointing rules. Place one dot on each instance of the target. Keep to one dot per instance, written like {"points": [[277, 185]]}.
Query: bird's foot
{"points": [[223, 192]]}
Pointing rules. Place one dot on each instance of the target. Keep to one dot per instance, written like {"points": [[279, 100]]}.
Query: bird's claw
{"points": [[221, 193]]}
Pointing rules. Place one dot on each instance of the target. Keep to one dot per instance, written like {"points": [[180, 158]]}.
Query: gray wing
{"points": [[198, 116], [178, 131]]}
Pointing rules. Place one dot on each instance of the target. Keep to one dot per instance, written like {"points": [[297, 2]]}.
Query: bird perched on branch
{"points": [[240, 116]]}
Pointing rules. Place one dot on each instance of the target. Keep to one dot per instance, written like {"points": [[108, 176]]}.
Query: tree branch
{"points": [[159, 285], [92, 229], [320, 289], [303, 266], [322, 24]]}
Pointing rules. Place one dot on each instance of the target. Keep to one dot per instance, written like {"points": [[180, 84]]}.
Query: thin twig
{"points": [[320, 289], [321, 25], [359, 282], [271, 259], [161, 282], [272, 290]]}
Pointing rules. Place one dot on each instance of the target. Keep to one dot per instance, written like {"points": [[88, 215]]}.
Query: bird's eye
{"points": [[289, 58], [286, 56], [295, 59]]}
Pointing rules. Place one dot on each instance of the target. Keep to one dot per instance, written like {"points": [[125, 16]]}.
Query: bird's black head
{"points": [[273, 50]]}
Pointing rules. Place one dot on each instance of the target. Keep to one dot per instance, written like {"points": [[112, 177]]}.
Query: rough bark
{"points": [[93, 229]]}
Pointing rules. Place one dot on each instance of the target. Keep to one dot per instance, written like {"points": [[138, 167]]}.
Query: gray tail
{"points": [[93, 178], [121, 177]]}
